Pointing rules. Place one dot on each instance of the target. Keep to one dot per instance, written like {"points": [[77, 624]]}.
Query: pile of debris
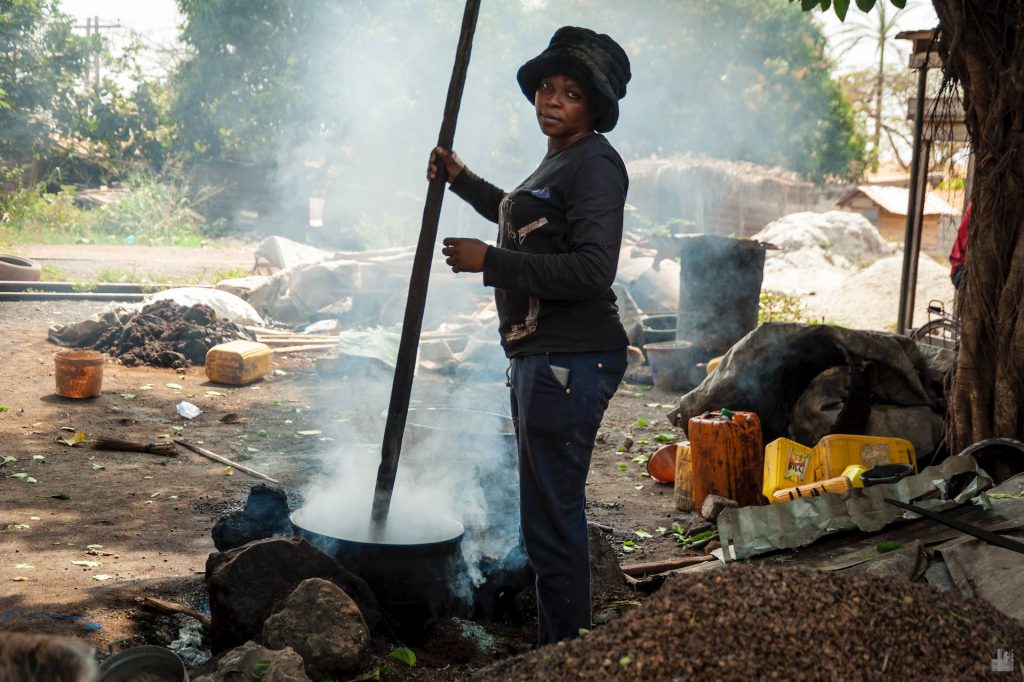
{"points": [[165, 334], [754, 621]]}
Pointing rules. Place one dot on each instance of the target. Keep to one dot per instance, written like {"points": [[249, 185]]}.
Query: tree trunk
{"points": [[879, 89], [982, 46]]}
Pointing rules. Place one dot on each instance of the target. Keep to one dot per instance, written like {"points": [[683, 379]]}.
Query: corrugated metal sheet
{"points": [[894, 200]]}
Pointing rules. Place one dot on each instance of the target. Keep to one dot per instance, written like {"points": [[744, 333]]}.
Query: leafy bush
{"points": [[152, 212], [776, 306]]}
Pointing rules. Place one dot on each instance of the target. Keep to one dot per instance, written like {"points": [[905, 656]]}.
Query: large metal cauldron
{"points": [[412, 581], [476, 446], [477, 452]]}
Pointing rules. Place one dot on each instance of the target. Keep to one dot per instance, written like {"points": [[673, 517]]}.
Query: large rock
{"points": [[605, 573], [247, 584], [265, 515], [43, 657], [714, 505], [324, 626], [251, 663]]}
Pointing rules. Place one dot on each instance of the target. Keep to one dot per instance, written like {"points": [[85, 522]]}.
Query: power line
{"points": [[93, 27]]}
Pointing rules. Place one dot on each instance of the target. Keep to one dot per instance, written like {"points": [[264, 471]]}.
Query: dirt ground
{"points": [[145, 520]]}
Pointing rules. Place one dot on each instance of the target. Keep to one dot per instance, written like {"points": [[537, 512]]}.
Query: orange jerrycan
{"points": [[727, 456]]}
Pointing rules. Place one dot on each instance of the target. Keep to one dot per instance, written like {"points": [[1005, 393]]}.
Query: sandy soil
{"points": [[152, 515], [83, 260]]}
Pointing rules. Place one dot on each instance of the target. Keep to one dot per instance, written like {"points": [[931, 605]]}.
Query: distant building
{"points": [[690, 193], [886, 208]]}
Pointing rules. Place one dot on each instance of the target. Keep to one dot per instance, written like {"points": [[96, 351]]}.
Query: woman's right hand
{"points": [[452, 163]]}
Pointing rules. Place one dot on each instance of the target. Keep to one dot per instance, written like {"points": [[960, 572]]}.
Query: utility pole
{"points": [[92, 27]]}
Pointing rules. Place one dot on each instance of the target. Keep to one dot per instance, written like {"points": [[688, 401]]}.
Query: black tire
{"points": [[17, 269], [939, 333]]}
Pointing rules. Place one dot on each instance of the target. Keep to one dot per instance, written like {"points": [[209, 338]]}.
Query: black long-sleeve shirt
{"points": [[559, 235]]}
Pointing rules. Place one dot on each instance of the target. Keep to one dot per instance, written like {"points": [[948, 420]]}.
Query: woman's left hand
{"points": [[464, 255]]}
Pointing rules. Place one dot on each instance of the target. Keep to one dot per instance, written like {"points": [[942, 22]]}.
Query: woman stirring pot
{"points": [[559, 234]]}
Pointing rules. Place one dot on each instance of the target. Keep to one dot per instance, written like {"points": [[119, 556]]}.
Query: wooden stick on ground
{"points": [[170, 607], [165, 449], [224, 460], [647, 568], [303, 349]]}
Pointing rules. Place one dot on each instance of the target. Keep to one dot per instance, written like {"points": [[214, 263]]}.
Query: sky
{"points": [[918, 14]]}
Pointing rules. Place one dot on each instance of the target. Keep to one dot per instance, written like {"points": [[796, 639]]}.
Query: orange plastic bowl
{"points": [[662, 464]]}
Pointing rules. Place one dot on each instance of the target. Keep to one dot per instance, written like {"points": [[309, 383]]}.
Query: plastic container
{"points": [[840, 451], [659, 327], [78, 373], [238, 362], [674, 365], [662, 464], [713, 363], [886, 473], [788, 463], [837, 485], [146, 662], [684, 478], [728, 456]]}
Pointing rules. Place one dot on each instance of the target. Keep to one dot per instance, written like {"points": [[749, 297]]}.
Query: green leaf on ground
{"points": [[375, 674], [262, 434], [642, 422], [888, 546], [665, 438], [61, 496], [623, 466], [259, 669], [97, 467], [71, 441], [4, 408], [128, 396], [641, 533], [405, 655], [20, 474]]}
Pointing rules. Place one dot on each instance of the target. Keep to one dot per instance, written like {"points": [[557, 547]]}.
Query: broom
{"points": [[163, 449]]}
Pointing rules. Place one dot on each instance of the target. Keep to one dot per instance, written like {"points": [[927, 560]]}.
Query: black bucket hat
{"points": [[596, 61]]}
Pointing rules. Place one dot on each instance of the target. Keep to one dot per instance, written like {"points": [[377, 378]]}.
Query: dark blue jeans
{"points": [[558, 400]]}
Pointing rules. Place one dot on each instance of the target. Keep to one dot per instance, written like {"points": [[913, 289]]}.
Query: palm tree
{"points": [[878, 29]]}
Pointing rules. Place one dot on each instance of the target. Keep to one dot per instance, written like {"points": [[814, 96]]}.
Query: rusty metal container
{"points": [[719, 290], [78, 373], [727, 455]]}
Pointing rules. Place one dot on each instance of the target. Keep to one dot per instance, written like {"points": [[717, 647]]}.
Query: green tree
{"points": [[41, 64], [249, 90], [878, 29]]}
